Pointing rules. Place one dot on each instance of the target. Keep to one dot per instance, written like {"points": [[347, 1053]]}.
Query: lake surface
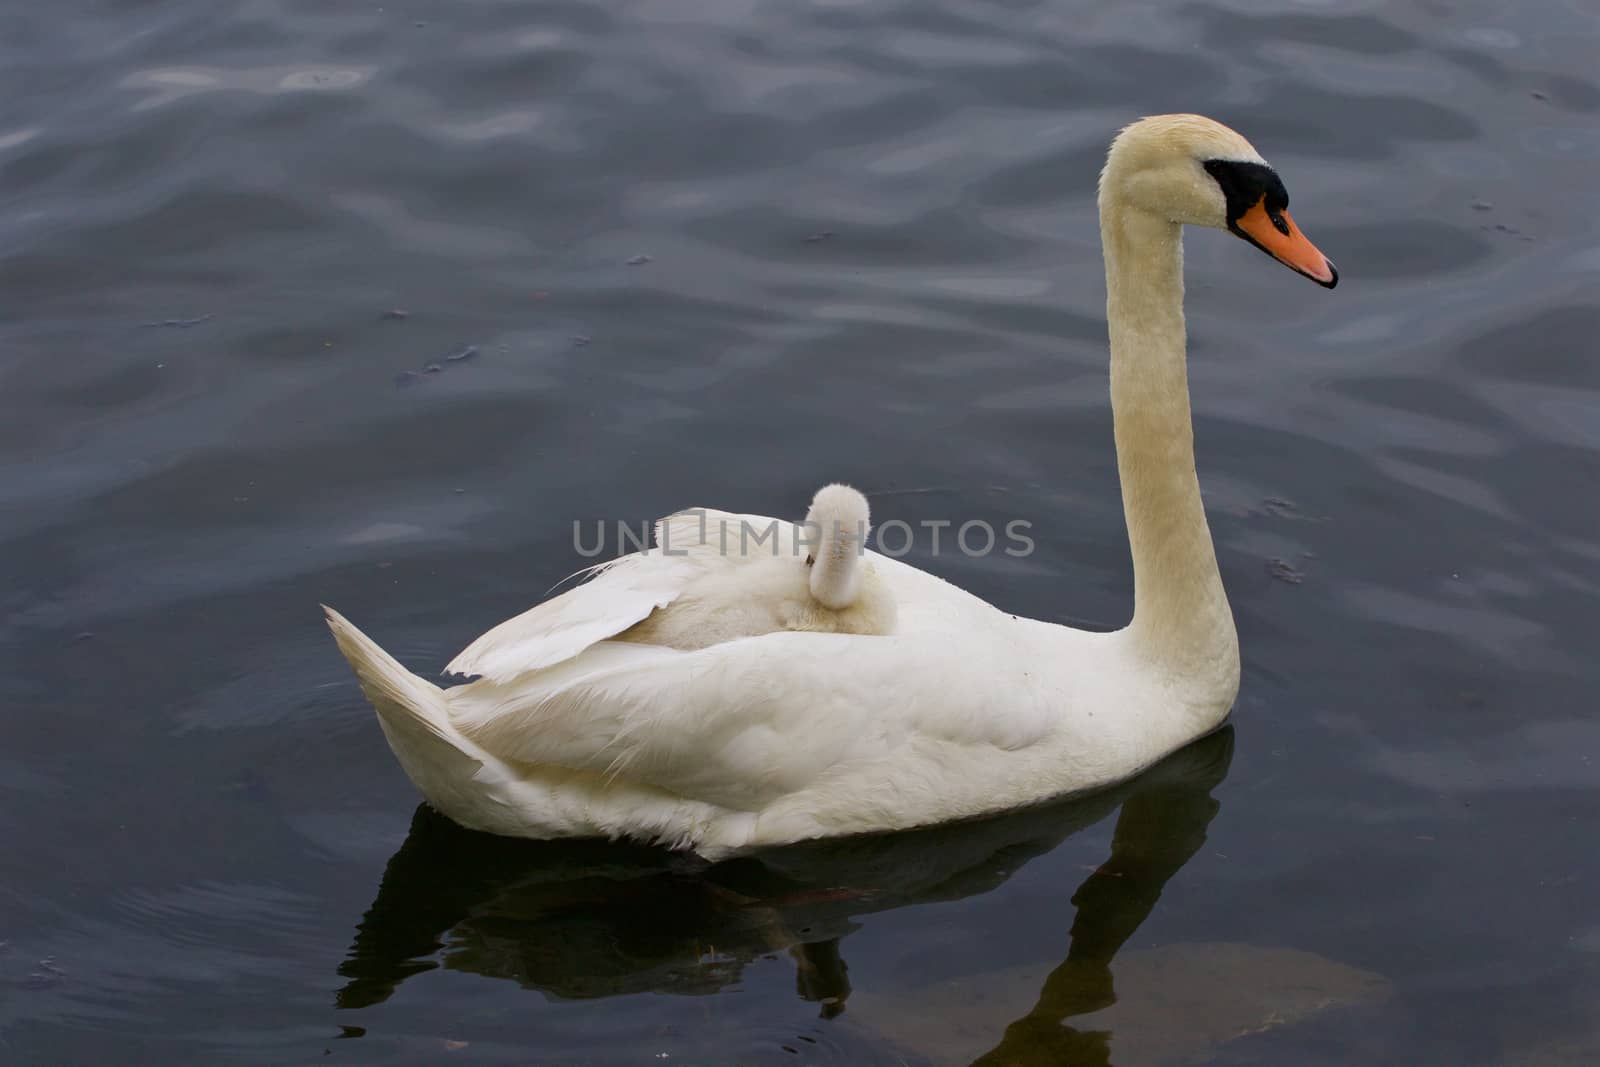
{"points": [[719, 254]]}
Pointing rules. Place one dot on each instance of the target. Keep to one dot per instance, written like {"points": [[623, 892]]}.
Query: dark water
{"points": [[872, 256]]}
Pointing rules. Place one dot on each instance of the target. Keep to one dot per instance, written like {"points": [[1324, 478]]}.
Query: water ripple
{"points": [[721, 253]]}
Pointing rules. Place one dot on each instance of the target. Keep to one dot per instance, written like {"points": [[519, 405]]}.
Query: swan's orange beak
{"points": [[1280, 238]]}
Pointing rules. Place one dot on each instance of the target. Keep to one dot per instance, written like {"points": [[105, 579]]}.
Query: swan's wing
{"points": [[689, 546], [619, 595], [745, 723]]}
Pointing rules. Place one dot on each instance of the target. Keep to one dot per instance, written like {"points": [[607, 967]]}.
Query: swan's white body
{"points": [[739, 741]]}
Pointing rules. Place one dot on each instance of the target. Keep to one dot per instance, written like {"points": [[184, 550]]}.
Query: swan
{"points": [[840, 519], [753, 582], [960, 711]]}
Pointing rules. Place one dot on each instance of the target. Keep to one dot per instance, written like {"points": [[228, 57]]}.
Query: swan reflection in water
{"points": [[592, 919]]}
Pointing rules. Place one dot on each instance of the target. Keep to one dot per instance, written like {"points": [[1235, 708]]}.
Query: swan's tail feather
{"points": [[399, 695], [413, 712]]}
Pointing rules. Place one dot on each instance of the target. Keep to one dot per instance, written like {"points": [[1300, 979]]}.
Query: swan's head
{"points": [[1192, 170], [837, 527]]}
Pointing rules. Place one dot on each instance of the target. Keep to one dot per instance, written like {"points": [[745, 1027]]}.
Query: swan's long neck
{"points": [[1181, 620]]}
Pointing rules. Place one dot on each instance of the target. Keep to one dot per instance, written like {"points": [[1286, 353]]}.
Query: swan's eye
{"points": [[810, 560]]}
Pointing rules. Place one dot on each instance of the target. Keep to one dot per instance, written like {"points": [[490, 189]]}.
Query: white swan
{"points": [[738, 579], [962, 710], [840, 519]]}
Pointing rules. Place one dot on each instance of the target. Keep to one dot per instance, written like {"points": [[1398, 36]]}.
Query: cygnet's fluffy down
{"points": [[819, 581]]}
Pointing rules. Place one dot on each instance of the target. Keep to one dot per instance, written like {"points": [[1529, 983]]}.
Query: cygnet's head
{"points": [[1193, 170], [837, 526]]}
